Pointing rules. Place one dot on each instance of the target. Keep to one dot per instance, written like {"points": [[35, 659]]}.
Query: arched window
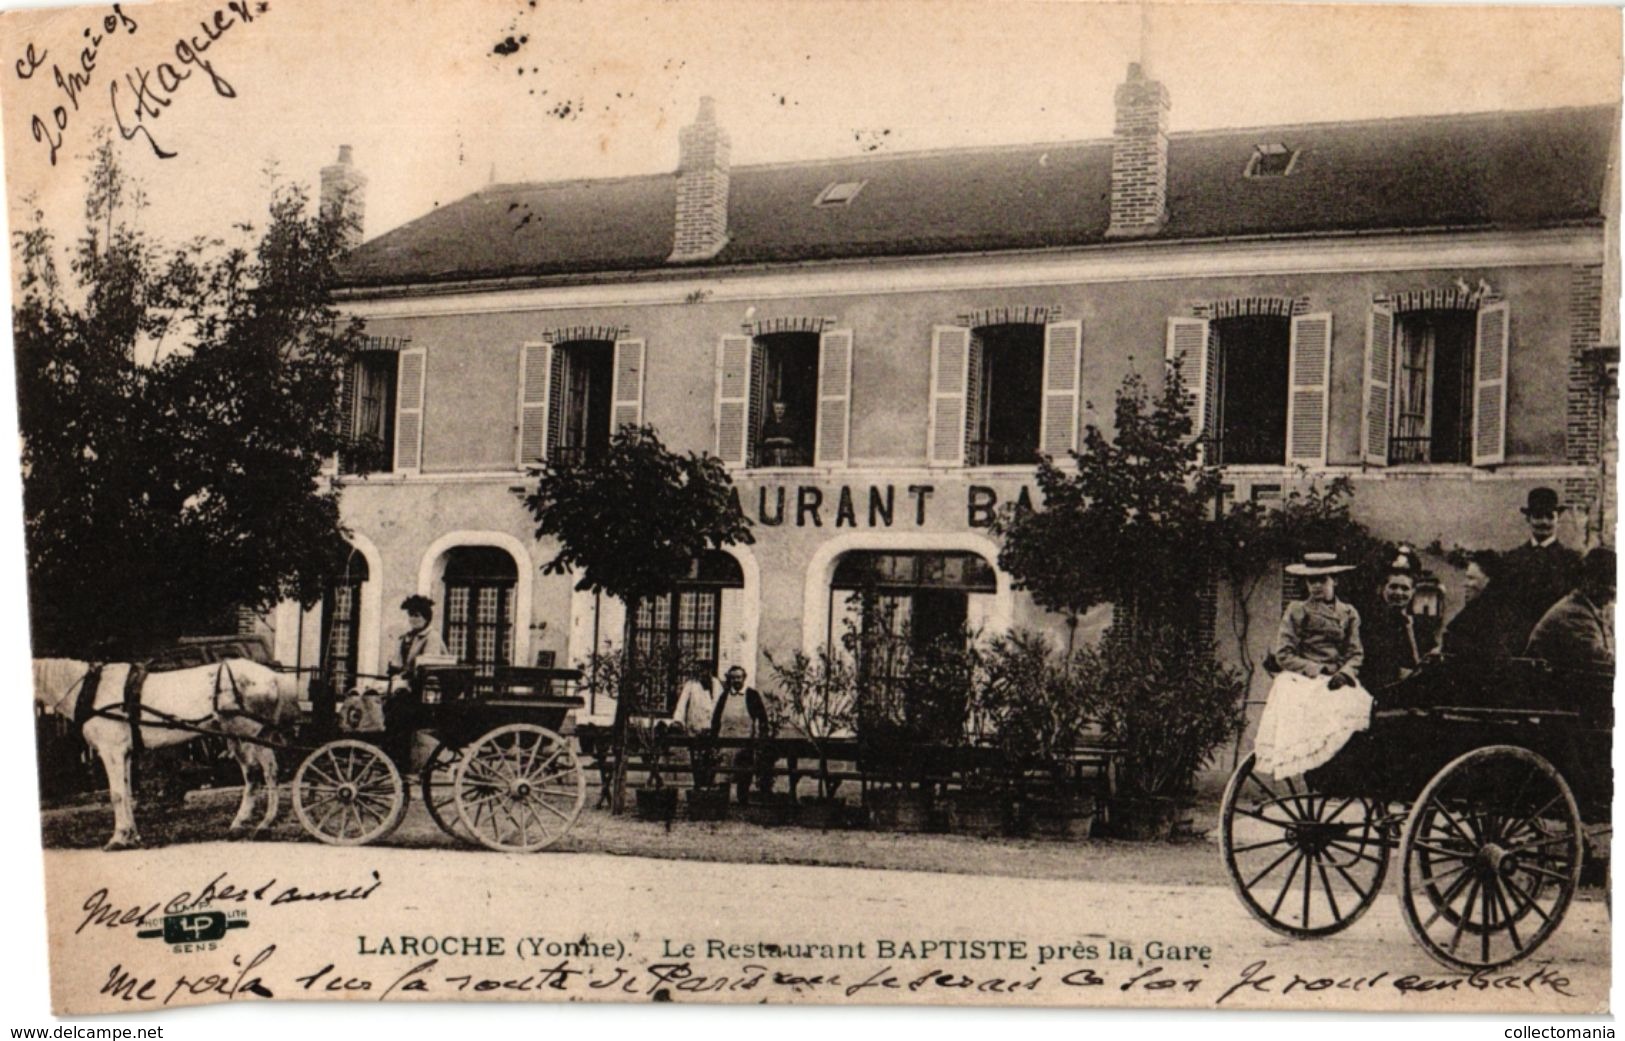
{"points": [[888, 607], [685, 623], [341, 616], [478, 619]]}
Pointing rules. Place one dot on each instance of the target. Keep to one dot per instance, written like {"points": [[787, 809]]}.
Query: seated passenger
{"points": [[1316, 704], [1486, 628], [1579, 629], [1393, 645]]}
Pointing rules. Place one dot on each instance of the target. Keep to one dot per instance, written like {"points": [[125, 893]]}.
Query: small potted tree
{"points": [[1165, 701], [816, 695]]}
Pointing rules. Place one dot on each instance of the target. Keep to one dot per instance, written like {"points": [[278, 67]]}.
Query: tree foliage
{"points": [[1132, 525], [632, 522], [177, 405]]}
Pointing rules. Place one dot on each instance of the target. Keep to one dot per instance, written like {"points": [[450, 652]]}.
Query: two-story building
{"points": [[879, 346]]}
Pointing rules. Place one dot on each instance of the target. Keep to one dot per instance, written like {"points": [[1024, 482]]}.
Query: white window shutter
{"points": [[950, 357], [1376, 421], [1309, 372], [1187, 352], [1490, 386], [733, 399], [347, 382], [411, 376], [834, 397], [535, 393], [626, 397], [1063, 357]]}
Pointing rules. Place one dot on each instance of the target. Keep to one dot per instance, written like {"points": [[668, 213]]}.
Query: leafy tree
{"points": [[632, 523], [177, 405], [1132, 526]]}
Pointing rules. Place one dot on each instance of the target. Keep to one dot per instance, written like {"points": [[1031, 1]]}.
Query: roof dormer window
{"points": [[839, 193], [1272, 160]]}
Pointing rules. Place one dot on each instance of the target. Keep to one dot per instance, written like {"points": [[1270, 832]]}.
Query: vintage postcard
{"points": [[986, 503]]}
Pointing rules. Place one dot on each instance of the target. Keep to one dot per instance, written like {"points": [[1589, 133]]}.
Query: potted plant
{"points": [[707, 800], [816, 694], [1161, 696]]}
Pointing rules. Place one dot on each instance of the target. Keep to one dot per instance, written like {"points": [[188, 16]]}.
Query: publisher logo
{"points": [[195, 930]]}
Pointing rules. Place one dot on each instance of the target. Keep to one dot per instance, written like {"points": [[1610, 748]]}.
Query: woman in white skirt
{"points": [[1316, 703]]}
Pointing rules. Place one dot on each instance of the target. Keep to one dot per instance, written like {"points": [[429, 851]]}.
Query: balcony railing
{"points": [[1001, 453], [782, 451], [1427, 449]]}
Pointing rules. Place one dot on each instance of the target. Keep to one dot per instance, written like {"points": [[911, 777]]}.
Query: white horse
{"points": [[237, 698]]}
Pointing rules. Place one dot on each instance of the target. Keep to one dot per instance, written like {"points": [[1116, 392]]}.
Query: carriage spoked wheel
{"points": [[519, 788], [438, 783], [348, 793], [1304, 863], [1491, 856]]}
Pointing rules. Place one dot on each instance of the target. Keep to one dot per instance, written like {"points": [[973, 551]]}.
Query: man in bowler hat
{"points": [[1541, 571]]}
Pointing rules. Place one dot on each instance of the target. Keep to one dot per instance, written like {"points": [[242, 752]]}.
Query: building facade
{"points": [[879, 348]]}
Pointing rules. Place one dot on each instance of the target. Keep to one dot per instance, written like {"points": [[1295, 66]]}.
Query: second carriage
{"points": [[1486, 780], [492, 766]]}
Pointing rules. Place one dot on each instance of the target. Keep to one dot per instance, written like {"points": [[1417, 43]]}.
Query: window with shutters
{"points": [[1249, 384], [1006, 394], [478, 620], [369, 390], [581, 388], [1433, 387], [784, 402]]}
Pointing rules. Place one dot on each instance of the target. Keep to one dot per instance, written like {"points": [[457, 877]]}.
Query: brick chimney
{"points": [[702, 188], [344, 189], [1139, 157]]}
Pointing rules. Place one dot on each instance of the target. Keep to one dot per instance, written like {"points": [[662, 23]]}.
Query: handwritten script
{"points": [[140, 93]]}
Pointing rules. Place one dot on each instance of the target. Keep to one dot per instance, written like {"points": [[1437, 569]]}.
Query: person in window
{"points": [[781, 436], [1316, 703], [1393, 646], [1542, 570], [1489, 626], [418, 641], [1578, 631]]}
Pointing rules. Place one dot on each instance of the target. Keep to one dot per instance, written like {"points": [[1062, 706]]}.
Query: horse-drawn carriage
{"points": [[1479, 775], [496, 771]]}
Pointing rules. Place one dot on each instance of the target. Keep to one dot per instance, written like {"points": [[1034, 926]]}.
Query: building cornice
{"points": [[1116, 262]]}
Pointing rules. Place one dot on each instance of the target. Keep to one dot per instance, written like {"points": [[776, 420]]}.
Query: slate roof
{"points": [[1483, 171]]}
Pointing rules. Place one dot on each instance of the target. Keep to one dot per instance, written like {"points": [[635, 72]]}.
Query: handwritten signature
{"points": [[148, 91]]}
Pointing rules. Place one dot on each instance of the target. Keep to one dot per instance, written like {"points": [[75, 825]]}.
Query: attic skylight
{"points": [[839, 193], [1271, 160]]}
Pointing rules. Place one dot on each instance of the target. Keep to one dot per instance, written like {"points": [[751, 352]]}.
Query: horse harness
{"points": [[138, 715]]}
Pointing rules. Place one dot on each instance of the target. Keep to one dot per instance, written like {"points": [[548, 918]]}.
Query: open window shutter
{"points": [[1308, 379], [347, 381], [950, 357], [1058, 421], [834, 397], [1377, 417], [411, 374], [1490, 387], [1187, 353], [626, 399], [733, 398], [535, 397]]}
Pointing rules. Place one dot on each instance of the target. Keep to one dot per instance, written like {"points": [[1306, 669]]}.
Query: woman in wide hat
{"points": [[1316, 703]]}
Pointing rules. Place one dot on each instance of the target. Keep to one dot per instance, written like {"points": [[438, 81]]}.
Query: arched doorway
{"points": [[478, 608]]}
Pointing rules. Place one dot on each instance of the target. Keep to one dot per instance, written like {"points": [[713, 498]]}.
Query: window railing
{"points": [[1427, 449], [1000, 453], [775, 451]]}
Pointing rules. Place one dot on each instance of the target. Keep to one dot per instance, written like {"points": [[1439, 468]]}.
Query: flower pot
{"points": [[1064, 820], [708, 804], [657, 804], [1149, 818], [899, 809], [984, 814], [769, 811], [822, 814]]}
